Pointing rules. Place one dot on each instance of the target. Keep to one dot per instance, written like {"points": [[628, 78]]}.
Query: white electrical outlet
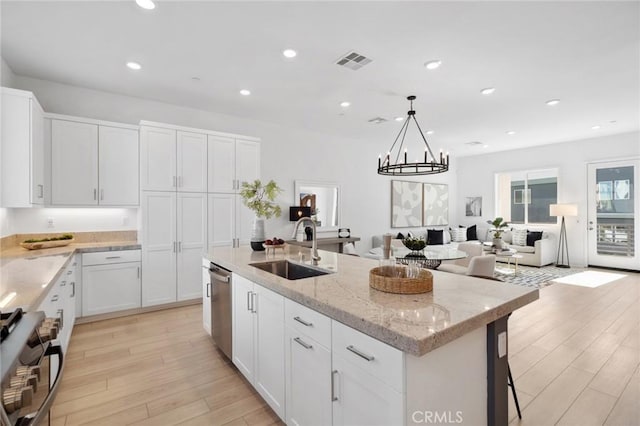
{"points": [[49, 222]]}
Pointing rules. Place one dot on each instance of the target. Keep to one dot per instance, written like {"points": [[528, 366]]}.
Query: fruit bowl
{"points": [[269, 246], [414, 244]]}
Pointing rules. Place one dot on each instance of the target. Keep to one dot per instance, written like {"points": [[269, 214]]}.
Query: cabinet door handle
{"points": [[208, 289], [113, 257], [102, 194], [174, 246], [334, 397], [303, 343], [63, 283], [179, 246], [303, 322], [54, 298], [360, 354], [179, 181], [138, 272], [248, 301], [41, 191], [73, 289], [174, 181], [253, 302], [95, 194]]}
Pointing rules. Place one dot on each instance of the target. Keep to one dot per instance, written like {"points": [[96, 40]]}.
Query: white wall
{"points": [[475, 177], [288, 153], [36, 220], [7, 76]]}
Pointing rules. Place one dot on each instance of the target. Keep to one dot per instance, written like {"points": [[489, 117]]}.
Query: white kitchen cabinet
{"points": [[118, 166], [174, 236], [22, 149], [229, 220], [192, 242], [206, 297], [93, 164], [159, 260], [308, 380], [74, 163], [173, 160], [231, 162], [258, 340], [111, 281]]}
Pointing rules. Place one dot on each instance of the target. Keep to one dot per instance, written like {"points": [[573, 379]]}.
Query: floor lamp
{"points": [[563, 210]]}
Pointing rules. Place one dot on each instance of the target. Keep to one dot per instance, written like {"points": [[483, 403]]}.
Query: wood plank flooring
{"points": [[574, 355]]}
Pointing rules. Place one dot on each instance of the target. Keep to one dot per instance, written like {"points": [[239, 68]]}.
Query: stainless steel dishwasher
{"points": [[221, 308]]}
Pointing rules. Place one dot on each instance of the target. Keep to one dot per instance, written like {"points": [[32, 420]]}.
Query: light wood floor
{"points": [[158, 368], [574, 354]]}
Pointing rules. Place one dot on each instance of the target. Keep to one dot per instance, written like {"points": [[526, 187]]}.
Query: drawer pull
{"points": [[360, 354], [303, 343], [334, 397], [69, 272], [73, 287], [54, 298], [113, 257], [63, 283], [303, 322]]}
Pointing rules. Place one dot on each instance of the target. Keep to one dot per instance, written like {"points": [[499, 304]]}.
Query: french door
{"points": [[613, 212]]}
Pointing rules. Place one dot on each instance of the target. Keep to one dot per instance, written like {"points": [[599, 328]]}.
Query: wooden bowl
{"points": [[46, 244]]}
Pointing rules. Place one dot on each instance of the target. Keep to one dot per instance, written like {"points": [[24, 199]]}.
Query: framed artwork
{"points": [[621, 189], [605, 190], [406, 204], [436, 204], [473, 207]]}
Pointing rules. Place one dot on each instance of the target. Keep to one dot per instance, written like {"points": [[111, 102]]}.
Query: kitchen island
{"points": [[443, 356]]}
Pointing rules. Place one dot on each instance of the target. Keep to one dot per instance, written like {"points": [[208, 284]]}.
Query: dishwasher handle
{"points": [[215, 275]]}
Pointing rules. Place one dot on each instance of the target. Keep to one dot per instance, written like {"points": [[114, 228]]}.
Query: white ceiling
{"points": [[585, 53]]}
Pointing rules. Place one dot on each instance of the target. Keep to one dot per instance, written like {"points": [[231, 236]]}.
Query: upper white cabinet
{"points": [[231, 162], [118, 166], [93, 164], [173, 160], [22, 148]]}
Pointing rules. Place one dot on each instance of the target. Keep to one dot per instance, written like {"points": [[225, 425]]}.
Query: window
{"points": [[524, 197]]}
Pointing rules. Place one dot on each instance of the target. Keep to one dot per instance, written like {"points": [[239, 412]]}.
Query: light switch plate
{"points": [[502, 344]]}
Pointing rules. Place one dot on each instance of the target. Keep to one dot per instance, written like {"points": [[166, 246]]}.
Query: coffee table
{"points": [[509, 254], [431, 258]]}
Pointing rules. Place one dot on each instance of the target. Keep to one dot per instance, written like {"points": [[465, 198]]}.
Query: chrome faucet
{"points": [[314, 241]]}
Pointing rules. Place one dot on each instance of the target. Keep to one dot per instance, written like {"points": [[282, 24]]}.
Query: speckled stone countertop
{"points": [[31, 273], [415, 324]]}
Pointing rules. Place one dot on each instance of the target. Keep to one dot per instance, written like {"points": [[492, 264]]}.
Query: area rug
{"points": [[529, 276], [589, 279]]}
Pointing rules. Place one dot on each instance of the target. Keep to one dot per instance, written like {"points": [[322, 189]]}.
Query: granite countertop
{"points": [[415, 324], [31, 273]]}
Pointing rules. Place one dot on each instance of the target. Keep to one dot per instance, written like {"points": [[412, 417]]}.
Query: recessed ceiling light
{"points": [[146, 4], [134, 66], [613, 121], [195, 78], [432, 65], [345, 104], [430, 132], [511, 133], [485, 146], [399, 118], [289, 53], [553, 102], [245, 92], [488, 90], [595, 127]]}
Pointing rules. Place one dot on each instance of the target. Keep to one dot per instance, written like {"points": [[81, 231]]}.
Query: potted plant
{"points": [[259, 198], [499, 226]]}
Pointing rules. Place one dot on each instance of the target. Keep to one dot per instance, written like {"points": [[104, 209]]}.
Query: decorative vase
{"points": [[257, 234], [497, 243]]}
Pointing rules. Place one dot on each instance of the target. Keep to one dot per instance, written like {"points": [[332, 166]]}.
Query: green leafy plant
{"points": [[63, 237], [499, 224], [260, 198]]}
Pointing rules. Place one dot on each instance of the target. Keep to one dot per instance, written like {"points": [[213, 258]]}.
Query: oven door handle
{"points": [[48, 402]]}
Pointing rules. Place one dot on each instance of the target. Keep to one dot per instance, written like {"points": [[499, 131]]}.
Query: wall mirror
{"points": [[324, 200]]}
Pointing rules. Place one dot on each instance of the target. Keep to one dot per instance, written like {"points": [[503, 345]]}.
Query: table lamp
{"points": [[562, 210]]}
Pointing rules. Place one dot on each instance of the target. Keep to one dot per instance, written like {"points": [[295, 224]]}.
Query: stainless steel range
{"points": [[31, 366]]}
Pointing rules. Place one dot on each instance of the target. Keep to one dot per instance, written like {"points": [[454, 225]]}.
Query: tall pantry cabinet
{"points": [[188, 186]]}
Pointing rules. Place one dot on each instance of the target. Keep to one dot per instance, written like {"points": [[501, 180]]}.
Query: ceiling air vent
{"points": [[353, 61], [473, 143], [377, 120]]}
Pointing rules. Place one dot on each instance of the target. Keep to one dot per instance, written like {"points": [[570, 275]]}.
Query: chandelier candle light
{"points": [[412, 169]]}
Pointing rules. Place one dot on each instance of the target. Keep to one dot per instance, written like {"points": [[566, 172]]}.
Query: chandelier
{"points": [[400, 166]]}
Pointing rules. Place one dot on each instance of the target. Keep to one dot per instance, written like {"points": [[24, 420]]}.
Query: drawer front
{"points": [[107, 257], [308, 322], [374, 357]]}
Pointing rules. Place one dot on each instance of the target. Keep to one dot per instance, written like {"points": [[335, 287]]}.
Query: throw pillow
{"points": [[399, 236], [459, 234], [519, 237], [471, 233], [434, 236], [447, 236], [532, 237]]}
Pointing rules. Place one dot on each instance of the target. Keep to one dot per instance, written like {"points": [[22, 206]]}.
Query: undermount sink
{"points": [[289, 270]]}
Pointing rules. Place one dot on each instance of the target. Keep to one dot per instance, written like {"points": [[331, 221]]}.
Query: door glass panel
{"points": [[615, 211]]}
